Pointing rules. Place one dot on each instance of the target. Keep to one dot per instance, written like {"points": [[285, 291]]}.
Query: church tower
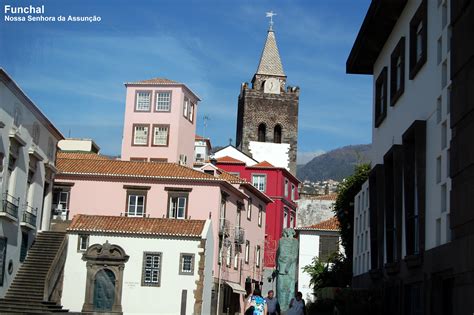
{"points": [[267, 118]]}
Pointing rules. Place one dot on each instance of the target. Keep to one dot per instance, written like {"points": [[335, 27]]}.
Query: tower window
{"points": [[277, 134], [262, 130]]}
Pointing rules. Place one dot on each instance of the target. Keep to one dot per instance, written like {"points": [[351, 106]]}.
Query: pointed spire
{"points": [[270, 62]]}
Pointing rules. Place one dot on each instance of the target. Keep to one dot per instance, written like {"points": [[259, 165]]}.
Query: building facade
{"points": [[418, 195], [318, 241], [282, 187], [267, 115], [27, 166], [94, 185], [160, 122], [115, 264], [313, 209], [202, 150]]}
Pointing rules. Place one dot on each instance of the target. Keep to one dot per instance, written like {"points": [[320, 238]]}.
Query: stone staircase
{"points": [[26, 293]]}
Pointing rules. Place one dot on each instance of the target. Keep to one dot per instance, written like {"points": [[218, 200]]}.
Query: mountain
{"points": [[336, 164]]}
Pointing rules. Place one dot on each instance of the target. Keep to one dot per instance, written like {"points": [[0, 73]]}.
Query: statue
{"points": [[287, 256]]}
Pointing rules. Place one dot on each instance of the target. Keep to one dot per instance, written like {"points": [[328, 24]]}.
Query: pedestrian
{"points": [[272, 304], [297, 305], [257, 304]]}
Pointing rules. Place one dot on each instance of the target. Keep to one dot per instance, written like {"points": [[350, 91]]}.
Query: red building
{"points": [[277, 183]]}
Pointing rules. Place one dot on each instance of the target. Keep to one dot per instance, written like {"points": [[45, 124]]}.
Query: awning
{"points": [[237, 288]]}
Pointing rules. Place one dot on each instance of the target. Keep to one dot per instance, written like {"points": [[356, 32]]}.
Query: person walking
{"points": [[273, 306], [256, 304], [297, 305]]}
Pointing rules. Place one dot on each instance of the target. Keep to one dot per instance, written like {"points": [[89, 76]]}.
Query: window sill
{"points": [[414, 261], [392, 267]]}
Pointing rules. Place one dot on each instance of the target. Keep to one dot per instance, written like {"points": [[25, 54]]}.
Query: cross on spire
{"points": [[270, 15]]}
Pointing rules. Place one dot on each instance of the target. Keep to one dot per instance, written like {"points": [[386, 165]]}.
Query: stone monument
{"points": [[287, 256]]}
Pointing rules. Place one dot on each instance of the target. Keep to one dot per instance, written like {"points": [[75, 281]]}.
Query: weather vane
{"points": [[271, 14]]}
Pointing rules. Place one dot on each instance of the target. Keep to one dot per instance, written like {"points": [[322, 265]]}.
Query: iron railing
{"points": [[10, 205], [29, 215], [223, 227]]}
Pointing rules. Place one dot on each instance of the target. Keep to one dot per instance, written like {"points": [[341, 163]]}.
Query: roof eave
{"points": [[378, 23]]}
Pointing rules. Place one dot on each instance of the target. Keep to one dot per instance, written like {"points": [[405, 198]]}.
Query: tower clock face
{"points": [[272, 86]]}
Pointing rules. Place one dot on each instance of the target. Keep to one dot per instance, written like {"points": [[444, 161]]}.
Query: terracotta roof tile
{"points": [[263, 164], [328, 225], [143, 226], [155, 81], [330, 197], [229, 160], [231, 178], [129, 169], [80, 155]]}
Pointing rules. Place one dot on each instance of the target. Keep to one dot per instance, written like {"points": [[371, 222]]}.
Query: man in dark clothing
{"points": [[272, 304]]}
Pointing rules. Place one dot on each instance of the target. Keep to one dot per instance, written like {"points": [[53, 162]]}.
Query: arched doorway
{"points": [[262, 131], [277, 134], [104, 290]]}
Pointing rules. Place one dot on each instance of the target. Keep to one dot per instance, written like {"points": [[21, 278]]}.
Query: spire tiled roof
{"points": [[141, 226], [270, 62]]}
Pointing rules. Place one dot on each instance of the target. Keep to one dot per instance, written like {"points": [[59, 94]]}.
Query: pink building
{"points": [[159, 123], [92, 184], [281, 186]]}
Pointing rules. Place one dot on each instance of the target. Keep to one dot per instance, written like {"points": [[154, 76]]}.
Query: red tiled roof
{"points": [[129, 169], [155, 81], [143, 226], [231, 178], [330, 197], [80, 155], [328, 225], [263, 164], [229, 160]]}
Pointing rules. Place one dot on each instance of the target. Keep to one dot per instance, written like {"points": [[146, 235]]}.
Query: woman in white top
{"points": [[297, 306]]}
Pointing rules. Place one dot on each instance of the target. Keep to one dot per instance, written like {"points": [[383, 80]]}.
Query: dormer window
{"points": [[143, 101]]}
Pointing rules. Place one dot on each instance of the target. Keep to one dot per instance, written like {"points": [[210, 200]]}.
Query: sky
{"points": [[74, 71]]}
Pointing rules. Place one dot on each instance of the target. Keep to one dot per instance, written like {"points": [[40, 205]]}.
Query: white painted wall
{"points": [[361, 251], [236, 154], [308, 249], [86, 145], [419, 102], [276, 154], [312, 210], [16, 185], [138, 299]]}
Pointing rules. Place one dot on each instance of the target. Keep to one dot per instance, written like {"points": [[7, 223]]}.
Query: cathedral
{"points": [[267, 118]]}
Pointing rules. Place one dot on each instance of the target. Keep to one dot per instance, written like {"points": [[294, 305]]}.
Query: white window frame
{"points": [[163, 101], [186, 107], [176, 207], [249, 209], [286, 187], [81, 238], [258, 256], [293, 190], [163, 128], [259, 181], [260, 215], [182, 259], [154, 267], [146, 130], [129, 205], [140, 104], [247, 251], [285, 218]]}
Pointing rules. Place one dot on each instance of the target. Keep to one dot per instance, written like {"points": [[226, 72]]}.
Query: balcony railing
{"points": [[239, 237], [224, 227], [10, 205], [60, 213], [29, 215]]}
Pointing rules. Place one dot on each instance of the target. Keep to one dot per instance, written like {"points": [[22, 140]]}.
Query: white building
{"points": [[406, 46], [138, 265], [78, 144], [316, 241], [361, 246], [202, 149], [27, 157]]}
